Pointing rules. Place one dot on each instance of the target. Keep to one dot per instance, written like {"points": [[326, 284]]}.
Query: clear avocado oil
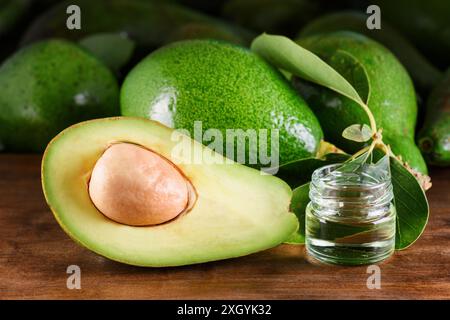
{"points": [[351, 218]]}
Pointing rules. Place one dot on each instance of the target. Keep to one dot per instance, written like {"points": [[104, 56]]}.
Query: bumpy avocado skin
{"points": [[224, 86], [391, 97], [424, 74], [434, 138], [48, 86]]}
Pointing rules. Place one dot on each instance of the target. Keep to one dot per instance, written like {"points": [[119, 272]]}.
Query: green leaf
{"points": [[113, 49], [289, 56], [410, 203], [357, 132], [299, 172], [353, 71], [300, 199], [355, 164]]}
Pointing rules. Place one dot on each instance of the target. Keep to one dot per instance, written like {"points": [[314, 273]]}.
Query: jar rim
{"points": [[318, 174], [347, 195]]}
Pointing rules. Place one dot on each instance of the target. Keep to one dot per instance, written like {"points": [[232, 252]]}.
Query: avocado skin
{"points": [[434, 138], [424, 74], [196, 30], [11, 12], [226, 87], [391, 98], [48, 86], [147, 22], [235, 210], [425, 23], [272, 16]]}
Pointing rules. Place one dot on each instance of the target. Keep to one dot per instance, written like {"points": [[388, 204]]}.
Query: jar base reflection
{"points": [[344, 254]]}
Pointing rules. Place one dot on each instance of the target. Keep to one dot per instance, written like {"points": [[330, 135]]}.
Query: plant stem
{"points": [[381, 145], [373, 124], [360, 152]]}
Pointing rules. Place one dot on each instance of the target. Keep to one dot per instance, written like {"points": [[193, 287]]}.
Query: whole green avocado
{"points": [[272, 16], [425, 23], [380, 80], [225, 87], [434, 138], [48, 86], [150, 23], [424, 74]]}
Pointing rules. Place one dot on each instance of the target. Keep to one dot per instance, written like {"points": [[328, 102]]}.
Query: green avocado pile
{"points": [[154, 111]]}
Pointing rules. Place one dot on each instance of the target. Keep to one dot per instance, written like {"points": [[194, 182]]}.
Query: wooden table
{"points": [[35, 253]]}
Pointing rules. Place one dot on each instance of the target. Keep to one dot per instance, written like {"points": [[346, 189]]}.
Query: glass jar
{"points": [[351, 218]]}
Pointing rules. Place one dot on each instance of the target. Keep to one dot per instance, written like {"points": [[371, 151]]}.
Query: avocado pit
{"points": [[135, 186]]}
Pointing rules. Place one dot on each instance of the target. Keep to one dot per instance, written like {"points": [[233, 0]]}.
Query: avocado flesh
{"points": [[380, 80], [237, 211], [225, 87]]}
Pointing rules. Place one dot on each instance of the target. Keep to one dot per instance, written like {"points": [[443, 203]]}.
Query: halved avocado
{"points": [[233, 210]]}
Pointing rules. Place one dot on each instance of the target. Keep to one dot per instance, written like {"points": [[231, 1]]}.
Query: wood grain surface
{"points": [[35, 252]]}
